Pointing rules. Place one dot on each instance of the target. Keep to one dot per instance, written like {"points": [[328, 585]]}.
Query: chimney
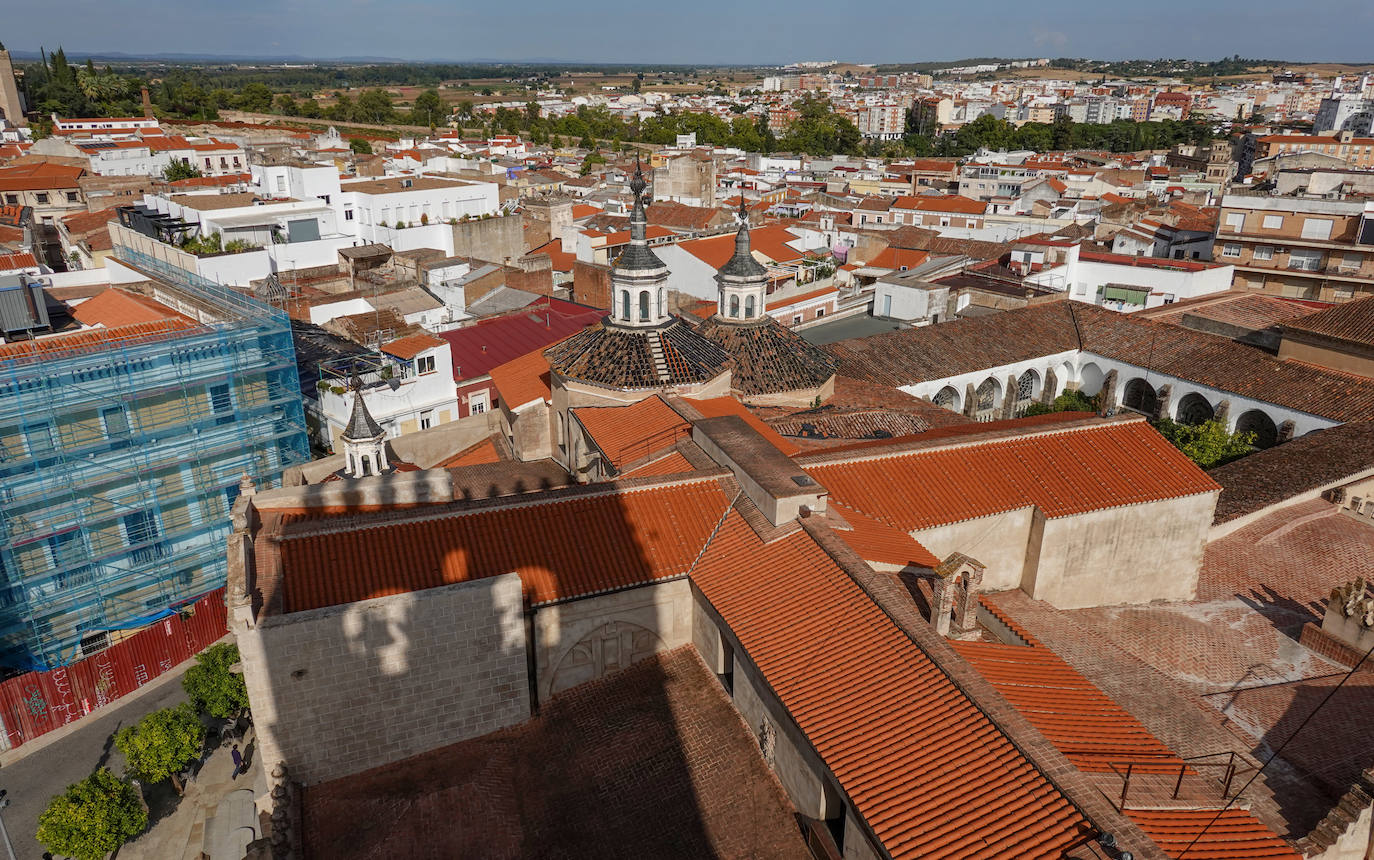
{"points": [[147, 104]]}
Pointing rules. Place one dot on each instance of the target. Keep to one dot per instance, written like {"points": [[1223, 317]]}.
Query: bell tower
{"points": [[364, 440], [743, 280], [639, 292]]}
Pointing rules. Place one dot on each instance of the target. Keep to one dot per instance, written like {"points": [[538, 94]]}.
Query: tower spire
{"points": [[364, 439], [743, 280], [639, 277]]}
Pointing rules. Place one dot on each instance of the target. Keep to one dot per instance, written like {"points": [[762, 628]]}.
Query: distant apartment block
{"points": [[125, 429], [1298, 248]]}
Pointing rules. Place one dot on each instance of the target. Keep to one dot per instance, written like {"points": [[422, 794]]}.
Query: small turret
{"points": [[364, 439]]}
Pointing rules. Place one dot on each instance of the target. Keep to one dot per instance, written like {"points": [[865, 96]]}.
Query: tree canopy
{"points": [[92, 818], [162, 743], [212, 688], [1207, 444]]}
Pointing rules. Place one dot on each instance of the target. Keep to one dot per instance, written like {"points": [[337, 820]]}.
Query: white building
{"points": [[1125, 283], [370, 205]]}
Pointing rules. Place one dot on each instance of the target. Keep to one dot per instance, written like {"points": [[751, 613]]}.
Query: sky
{"points": [[698, 31]]}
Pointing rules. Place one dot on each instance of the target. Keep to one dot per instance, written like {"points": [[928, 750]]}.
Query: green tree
{"points": [[286, 105], [360, 146], [428, 109], [1207, 444], [158, 746], [255, 97], [308, 107], [374, 106], [1069, 401], [180, 170], [94, 817], [591, 158]]}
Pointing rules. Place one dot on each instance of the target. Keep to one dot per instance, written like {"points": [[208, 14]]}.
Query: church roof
{"points": [[616, 357], [769, 358], [361, 425]]}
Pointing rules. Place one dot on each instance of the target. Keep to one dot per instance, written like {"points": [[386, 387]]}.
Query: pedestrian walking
{"points": [[238, 761]]}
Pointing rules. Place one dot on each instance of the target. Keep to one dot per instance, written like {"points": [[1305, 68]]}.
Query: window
{"points": [[479, 402], [734, 306], [71, 196], [748, 307], [644, 306], [1316, 228], [12, 199], [41, 438], [820, 312], [1264, 252], [1273, 222], [426, 419], [424, 364], [116, 426], [41, 197], [140, 529], [281, 183], [1230, 249], [1305, 260], [222, 403], [796, 319]]}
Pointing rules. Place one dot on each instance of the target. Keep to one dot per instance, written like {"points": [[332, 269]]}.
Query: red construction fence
{"points": [[38, 702]]}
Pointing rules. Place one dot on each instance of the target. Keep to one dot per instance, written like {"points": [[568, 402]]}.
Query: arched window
{"points": [[748, 307], [1025, 386], [1194, 409], [625, 305], [644, 306], [988, 394], [1260, 424], [947, 398], [662, 301], [734, 306], [1140, 397]]}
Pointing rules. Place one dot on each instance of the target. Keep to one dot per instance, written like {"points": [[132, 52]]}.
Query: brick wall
{"points": [[591, 285], [339, 690]]}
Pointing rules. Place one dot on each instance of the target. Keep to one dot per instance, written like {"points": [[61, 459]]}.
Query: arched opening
{"points": [[644, 306], [1139, 396], [1062, 378], [988, 394], [748, 307], [1027, 387], [625, 305], [1194, 409], [734, 306], [1090, 379], [1265, 430], [947, 398]]}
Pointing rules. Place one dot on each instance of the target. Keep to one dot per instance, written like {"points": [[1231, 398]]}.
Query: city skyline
{"points": [[765, 33]]}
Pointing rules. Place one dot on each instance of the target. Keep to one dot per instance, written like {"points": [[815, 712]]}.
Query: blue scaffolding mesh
{"points": [[119, 461]]}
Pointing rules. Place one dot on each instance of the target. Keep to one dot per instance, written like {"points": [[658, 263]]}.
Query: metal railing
{"points": [[1232, 766]]}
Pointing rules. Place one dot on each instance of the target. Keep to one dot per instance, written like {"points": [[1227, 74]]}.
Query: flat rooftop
{"points": [[652, 761]]}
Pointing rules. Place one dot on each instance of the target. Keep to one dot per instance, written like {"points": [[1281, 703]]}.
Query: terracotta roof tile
{"points": [[1352, 322], [769, 358], [879, 542], [770, 241], [672, 464], [1061, 472], [1236, 834], [412, 345], [576, 544], [115, 307], [483, 452], [628, 433], [714, 407], [904, 743], [522, 380], [94, 339], [17, 261]]}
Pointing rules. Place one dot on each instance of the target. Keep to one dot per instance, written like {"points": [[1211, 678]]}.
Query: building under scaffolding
{"points": [[121, 452]]}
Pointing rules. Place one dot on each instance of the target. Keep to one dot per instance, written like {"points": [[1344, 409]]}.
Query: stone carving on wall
{"points": [[1354, 601], [768, 742], [609, 648]]}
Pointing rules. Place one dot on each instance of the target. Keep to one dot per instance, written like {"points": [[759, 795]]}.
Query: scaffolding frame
{"points": [[120, 460]]}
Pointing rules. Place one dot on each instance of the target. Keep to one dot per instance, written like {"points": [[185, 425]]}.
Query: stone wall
{"points": [[1128, 554], [591, 285], [496, 240], [339, 690], [584, 639], [998, 542]]}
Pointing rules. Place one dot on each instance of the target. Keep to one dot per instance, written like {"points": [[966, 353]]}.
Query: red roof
{"points": [[714, 407], [905, 744], [672, 464], [39, 176], [628, 433], [942, 203], [562, 260], [1236, 833], [1062, 472], [770, 241], [17, 261], [898, 258], [522, 380], [93, 339], [1145, 262], [483, 452], [479, 347], [85, 222], [412, 345], [115, 307], [879, 542], [583, 544]]}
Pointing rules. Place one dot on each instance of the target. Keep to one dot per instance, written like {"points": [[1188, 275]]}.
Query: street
{"points": [[35, 778]]}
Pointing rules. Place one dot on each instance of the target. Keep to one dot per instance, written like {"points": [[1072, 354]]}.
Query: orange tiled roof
{"points": [[879, 542], [19, 260], [1062, 472], [85, 222], [93, 338], [904, 743], [483, 452], [1236, 833], [627, 433], [770, 241], [673, 464], [39, 176], [412, 345], [714, 407], [583, 544], [898, 258], [115, 307], [522, 380]]}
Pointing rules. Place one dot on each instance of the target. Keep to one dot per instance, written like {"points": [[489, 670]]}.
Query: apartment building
{"points": [[125, 429], [1298, 248], [1355, 151]]}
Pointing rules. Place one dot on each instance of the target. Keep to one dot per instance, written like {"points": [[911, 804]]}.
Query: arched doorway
{"points": [[1139, 396], [948, 398], [1265, 430], [1090, 379], [989, 395], [1194, 409]]}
